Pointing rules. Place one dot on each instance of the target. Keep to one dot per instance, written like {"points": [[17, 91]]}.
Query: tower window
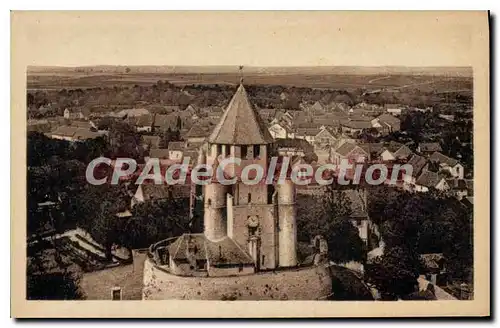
{"points": [[116, 294], [244, 151], [209, 202], [256, 151], [252, 231], [249, 198]]}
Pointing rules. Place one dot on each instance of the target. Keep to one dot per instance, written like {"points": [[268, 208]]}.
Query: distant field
{"points": [[73, 80]]}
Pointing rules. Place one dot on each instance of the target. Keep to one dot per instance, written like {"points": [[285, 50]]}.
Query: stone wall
{"points": [[309, 283]]}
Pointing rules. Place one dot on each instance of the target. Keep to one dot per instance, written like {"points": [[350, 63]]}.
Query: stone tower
{"points": [[260, 218]]}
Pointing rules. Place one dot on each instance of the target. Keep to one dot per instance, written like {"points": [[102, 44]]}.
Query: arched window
{"points": [[249, 198], [209, 202]]}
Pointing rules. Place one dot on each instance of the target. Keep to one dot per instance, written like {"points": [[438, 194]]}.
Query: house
{"points": [[307, 131], [72, 114], [428, 180], [38, 125], [162, 122], [429, 148], [354, 126], [278, 131], [352, 152], [133, 112], [150, 142], [433, 267], [394, 151], [324, 138], [458, 188], [214, 112], [199, 133], [144, 123], [267, 114], [171, 109], [162, 154], [338, 107], [394, 109], [418, 165], [448, 164], [387, 123], [151, 192], [73, 133], [116, 282], [373, 149], [317, 107], [192, 109], [293, 147], [176, 150]]}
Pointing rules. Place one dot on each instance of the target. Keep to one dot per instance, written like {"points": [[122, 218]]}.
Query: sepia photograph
{"points": [[334, 157]]}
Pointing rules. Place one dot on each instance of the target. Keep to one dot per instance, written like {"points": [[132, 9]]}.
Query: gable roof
{"points": [[240, 124], [430, 146], [152, 191], [176, 145], [403, 152], [389, 120], [154, 141], [372, 147], [440, 158], [144, 120], [199, 131], [160, 153], [457, 184], [166, 121], [347, 148], [224, 251], [417, 163], [356, 124], [429, 179]]}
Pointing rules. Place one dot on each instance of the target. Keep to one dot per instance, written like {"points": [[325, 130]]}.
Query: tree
{"points": [[153, 221], [395, 273], [328, 215], [124, 140], [98, 209], [53, 286]]}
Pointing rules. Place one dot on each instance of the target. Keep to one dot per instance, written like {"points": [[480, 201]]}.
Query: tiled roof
{"points": [[65, 130], [428, 147], [240, 124], [440, 158], [390, 120], [176, 145], [457, 184], [418, 163], [153, 191], [144, 120], [160, 153], [347, 148], [199, 131], [428, 179], [166, 121], [356, 124], [154, 141], [196, 246]]}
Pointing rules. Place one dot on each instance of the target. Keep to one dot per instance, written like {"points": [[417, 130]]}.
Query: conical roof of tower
{"points": [[240, 124]]}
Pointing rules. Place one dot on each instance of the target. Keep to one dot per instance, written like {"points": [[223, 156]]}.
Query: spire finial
{"points": [[241, 74]]}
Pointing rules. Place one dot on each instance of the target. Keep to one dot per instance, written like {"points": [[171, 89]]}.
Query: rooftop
{"points": [[240, 124]]}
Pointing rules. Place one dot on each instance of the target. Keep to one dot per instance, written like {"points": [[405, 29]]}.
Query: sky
{"points": [[247, 38]]}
